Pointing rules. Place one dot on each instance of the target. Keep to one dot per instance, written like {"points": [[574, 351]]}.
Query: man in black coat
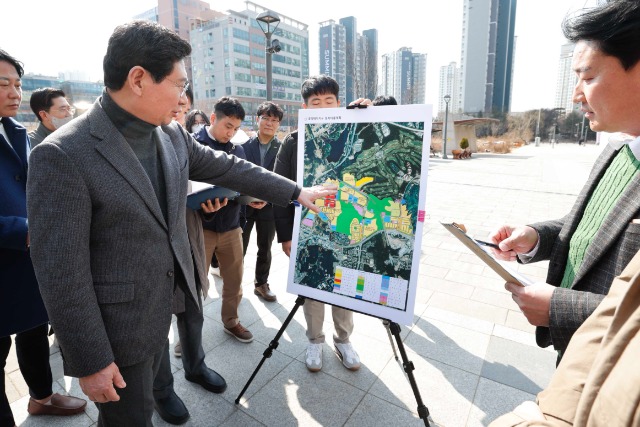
{"points": [[261, 150]]}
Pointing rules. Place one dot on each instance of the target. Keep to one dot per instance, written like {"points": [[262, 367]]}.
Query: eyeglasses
{"points": [[184, 86], [269, 119], [69, 110]]}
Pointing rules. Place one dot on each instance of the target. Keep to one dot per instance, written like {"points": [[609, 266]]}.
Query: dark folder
{"points": [[210, 193]]}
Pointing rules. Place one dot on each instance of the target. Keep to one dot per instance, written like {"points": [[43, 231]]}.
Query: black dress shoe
{"points": [[210, 380], [171, 409]]}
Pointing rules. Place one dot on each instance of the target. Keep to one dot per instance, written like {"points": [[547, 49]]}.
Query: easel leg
{"points": [[393, 346], [272, 346], [423, 412]]}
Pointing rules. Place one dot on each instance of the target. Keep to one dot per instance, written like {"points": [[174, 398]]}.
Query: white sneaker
{"points": [[348, 355], [314, 357]]}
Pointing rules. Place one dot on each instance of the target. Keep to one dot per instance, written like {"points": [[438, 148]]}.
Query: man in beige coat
{"points": [[598, 381]]}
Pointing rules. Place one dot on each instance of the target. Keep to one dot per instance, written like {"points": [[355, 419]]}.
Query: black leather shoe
{"points": [[210, 380], [171, 409]]}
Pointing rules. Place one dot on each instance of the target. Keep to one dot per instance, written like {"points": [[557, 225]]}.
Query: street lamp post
{"points": [[447, 98], [537, 140], [268, 22]]}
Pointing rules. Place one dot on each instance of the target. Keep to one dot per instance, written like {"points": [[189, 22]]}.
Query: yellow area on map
{"points": [[362, 214], [363, 181], [400, 218]]}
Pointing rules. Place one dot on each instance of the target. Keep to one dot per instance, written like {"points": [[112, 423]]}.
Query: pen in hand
{"points": [[483, 243]]}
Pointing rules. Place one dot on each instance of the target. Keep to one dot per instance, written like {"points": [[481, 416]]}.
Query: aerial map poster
{"points": [[362, 250]]}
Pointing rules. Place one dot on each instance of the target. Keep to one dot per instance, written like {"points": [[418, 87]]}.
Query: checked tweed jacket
{"points": [[106, 260], [613, 246]]}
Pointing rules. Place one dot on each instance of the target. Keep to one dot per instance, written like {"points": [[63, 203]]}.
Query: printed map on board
{"points": [[361, 243]]}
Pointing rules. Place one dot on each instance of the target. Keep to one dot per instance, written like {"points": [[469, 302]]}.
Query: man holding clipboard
{"points": [[594, 242]]}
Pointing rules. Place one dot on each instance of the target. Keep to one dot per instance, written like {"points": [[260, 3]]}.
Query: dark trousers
{"points": [[32, 350], [266, 231], [135, 407], [190, 332]]}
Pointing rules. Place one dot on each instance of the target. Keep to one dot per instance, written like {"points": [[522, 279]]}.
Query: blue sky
{"points": [[72, 34]]}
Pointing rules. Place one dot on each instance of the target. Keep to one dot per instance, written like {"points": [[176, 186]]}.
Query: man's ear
{"points": [[42, 115], [136, 79], [304, 105]]}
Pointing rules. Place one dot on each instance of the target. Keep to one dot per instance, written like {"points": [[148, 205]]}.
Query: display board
{"points": [[362, 250]]}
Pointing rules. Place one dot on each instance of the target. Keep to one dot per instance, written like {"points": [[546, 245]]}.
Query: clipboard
{"points": [[478, 249]]}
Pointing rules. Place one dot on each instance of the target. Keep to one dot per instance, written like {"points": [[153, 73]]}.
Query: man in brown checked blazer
{"points": [[595, 241], [106, 197]]}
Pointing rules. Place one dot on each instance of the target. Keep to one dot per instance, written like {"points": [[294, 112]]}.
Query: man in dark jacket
{"points": [[261, 150], [222, 232], [317, 92], [22, 311], [106, 201]]}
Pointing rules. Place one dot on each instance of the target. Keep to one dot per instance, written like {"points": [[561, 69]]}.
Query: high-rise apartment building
{"points": [[349, 57], [488, 48], [404, 76], [180, 16], [566, 79], [370, 61], [332, 50], [448, 85], [229, 59], [419, 77]]}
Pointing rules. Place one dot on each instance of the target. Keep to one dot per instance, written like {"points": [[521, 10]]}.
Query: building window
{"points": [[239, 48], [240, 34], [258, 66], [243, 91], [242, 77], [242, 63], [258, 39]]}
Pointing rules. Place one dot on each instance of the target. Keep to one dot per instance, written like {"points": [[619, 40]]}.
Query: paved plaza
{"points": [[474, 353]]}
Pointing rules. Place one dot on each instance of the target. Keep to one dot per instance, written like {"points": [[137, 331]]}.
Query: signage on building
{"points": [[325, 50]]}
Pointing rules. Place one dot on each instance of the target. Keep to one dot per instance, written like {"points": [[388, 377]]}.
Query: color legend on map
{"points": [[359, 287], [375, 288], [384, 292], [337, 280]]}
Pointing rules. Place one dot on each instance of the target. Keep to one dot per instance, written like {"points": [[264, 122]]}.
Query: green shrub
{"points": [[464, 143]]}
